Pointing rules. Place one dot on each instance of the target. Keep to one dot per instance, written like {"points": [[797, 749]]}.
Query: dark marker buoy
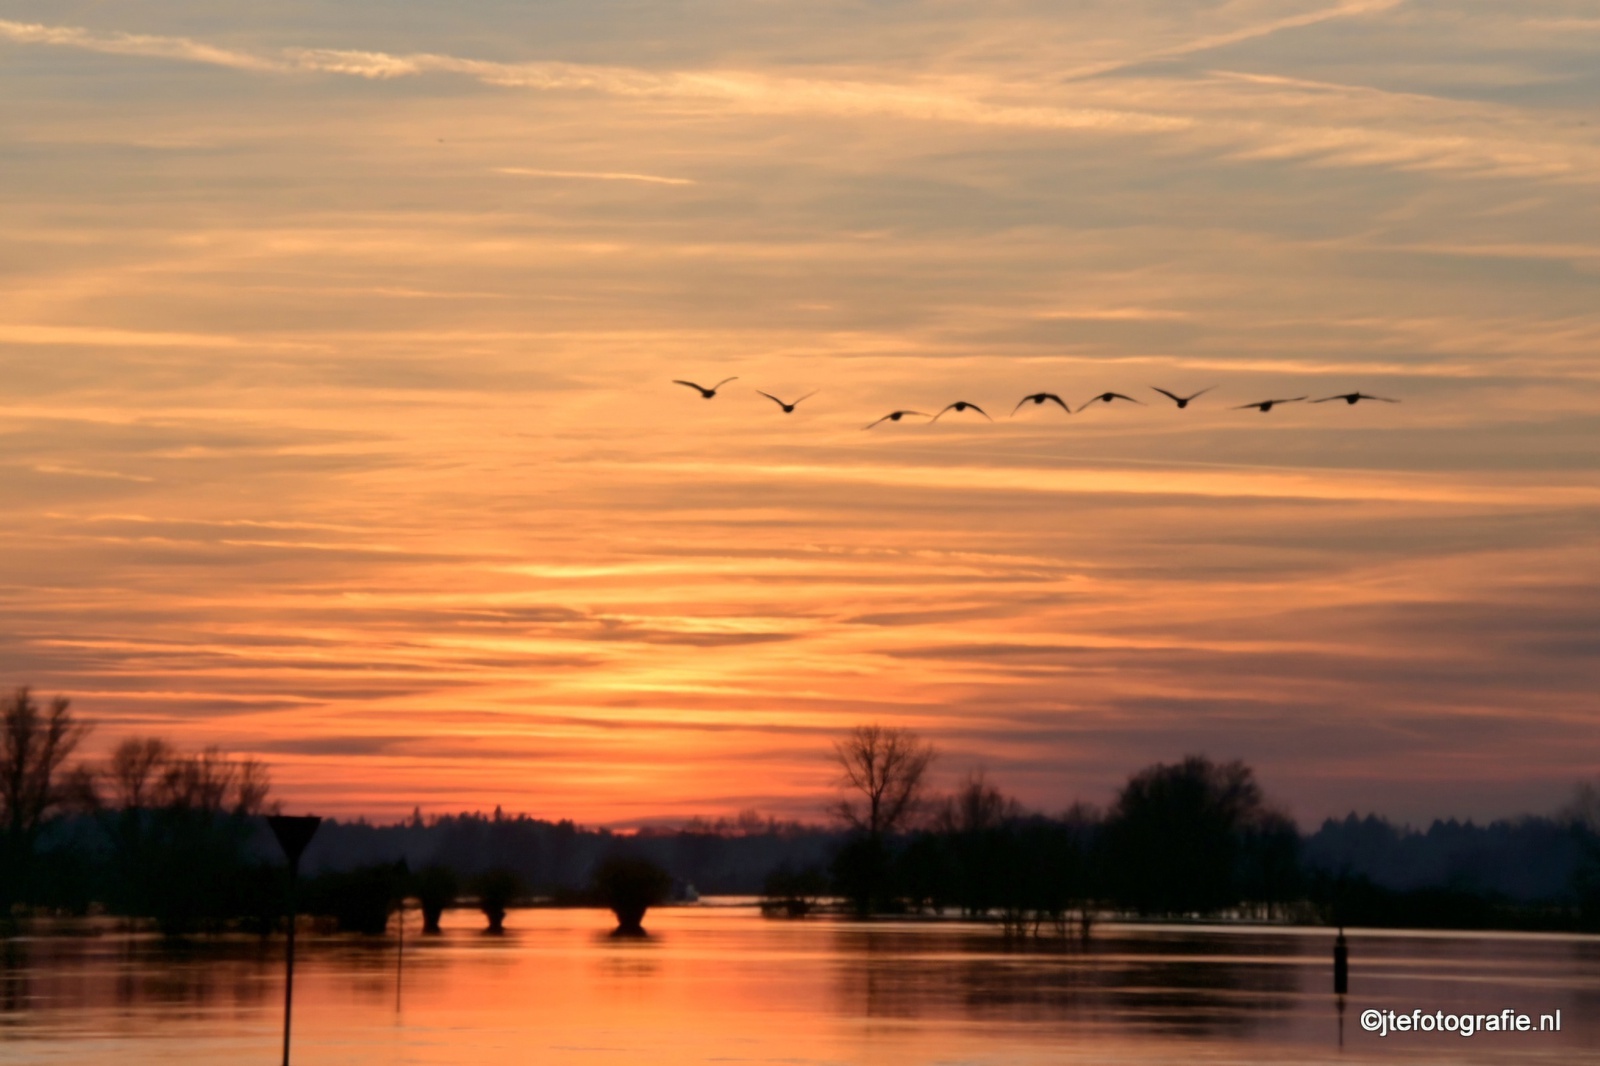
{"points": [[1341, 966]]}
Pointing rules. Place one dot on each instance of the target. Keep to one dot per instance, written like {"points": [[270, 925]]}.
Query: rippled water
{"points": [[722, 984]]}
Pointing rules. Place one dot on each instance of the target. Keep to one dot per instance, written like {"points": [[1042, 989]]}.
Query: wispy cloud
{"points": [[594, 175], [78, 471], [754, 92], [139, 44], [1208, 42], [1114, 314], [1181, 107], [1261, 483], [102, 336]]}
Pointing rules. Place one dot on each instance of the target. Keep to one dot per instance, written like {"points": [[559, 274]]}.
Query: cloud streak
{"points": [[593, 175], [1254, 31], [141, 45], [1219, 121], [763, 94]]}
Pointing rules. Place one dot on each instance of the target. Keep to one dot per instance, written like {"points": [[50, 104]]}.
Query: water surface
{"points": [[722, 984]]}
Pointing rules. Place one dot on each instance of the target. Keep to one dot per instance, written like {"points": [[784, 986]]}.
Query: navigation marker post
{"points": [[294, 832]]}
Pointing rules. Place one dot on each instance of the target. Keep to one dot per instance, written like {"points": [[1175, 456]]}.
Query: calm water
{"points": [[724, 985]]}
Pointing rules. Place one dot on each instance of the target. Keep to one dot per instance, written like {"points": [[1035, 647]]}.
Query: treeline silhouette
{"points": [[1167, 850], [176, 837], [154, 831], [1194, 838]]}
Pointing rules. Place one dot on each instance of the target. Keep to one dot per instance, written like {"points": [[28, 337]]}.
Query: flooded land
{"points": [[722, 984]]}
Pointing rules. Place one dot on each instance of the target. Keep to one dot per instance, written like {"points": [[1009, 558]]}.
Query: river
{"points": [[722, 984]]}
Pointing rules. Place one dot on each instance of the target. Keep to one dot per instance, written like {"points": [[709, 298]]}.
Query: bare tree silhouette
{"points": [[884, 769], [35, 742], [195, 813], [134, 770], [976, 806]]}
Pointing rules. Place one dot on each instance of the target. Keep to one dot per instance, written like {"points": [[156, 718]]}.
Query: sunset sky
{"points": [[337, 422]]}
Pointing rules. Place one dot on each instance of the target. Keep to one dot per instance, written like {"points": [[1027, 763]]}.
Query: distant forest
{"points": [[1526, 860], [179, 838]]}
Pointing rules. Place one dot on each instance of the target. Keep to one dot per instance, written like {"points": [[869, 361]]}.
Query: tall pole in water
{"points": [[1341, 965], [402, 871], [293, 834], [400, 955], [1341, 978]]}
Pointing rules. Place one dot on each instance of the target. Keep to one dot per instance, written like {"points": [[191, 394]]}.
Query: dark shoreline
{"points": [[53, 926]]}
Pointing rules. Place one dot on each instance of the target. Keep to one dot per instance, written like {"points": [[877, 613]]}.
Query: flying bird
{"points": [[788, 408], [1041, 397], [1353, 397], [1107, 397], [959, 406], [895, 416], [1266, 405], [1183, 401], [704, 392]]}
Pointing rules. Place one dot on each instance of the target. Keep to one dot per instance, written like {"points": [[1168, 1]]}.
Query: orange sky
{"points": [[338, 425]]}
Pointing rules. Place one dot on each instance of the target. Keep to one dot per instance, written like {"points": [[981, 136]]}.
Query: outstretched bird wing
{"points": [[774, 399], [962, 405], [1171, 396], [691, 384], [1041, 397], [1109, 396], [890, 415], [721, 383]]}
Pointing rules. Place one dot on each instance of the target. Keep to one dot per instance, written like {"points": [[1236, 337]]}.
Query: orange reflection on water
{"points": [[721, 984]]}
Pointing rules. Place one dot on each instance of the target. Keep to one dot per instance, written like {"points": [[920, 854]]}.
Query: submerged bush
{"points": [[631, 886]]}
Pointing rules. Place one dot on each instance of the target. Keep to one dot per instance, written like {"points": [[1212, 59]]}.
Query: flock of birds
{"points": [[1040, 398]]}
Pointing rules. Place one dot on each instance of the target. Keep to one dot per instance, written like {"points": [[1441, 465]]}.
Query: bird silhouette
{"points": [[1183, 401], [1353, 397], [788, 408], [1041, 397], [1266, 405], [895, 416], [704, 392], [959, 406], [1107, 397]]}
